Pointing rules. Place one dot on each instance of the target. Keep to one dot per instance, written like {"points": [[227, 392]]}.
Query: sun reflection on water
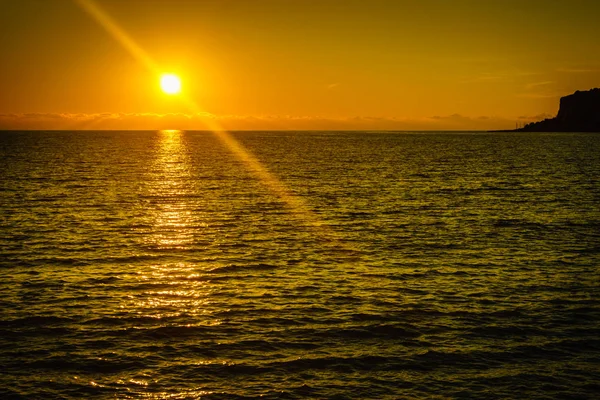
{"points": [[171, 187], [174, 289]]}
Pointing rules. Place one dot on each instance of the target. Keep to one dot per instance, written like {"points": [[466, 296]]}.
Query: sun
{"points": [[170, 83]]}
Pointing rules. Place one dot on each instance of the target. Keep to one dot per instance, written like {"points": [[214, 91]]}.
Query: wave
{"points": [[236, 268]]}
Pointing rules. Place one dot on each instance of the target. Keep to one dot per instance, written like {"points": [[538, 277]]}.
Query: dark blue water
{"points": [[327, 265]]}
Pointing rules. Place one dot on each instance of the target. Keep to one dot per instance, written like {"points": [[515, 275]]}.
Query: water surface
{"points": [[386, 265]]}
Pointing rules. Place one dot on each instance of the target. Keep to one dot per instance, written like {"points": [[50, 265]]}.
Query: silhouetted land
{"points": [[578, 112]]}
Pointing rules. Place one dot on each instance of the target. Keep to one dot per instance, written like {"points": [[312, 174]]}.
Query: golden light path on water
{"points": [[172, 228], [171, 174], [296, 204]]}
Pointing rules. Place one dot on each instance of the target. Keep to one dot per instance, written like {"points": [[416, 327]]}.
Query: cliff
{"points": [[579, 112]]}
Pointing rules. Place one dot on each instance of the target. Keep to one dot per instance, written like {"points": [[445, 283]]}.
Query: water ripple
{"points": [[155, 264]]}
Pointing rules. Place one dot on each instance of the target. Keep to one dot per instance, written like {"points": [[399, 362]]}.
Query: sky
{"points": [[294, 64]]}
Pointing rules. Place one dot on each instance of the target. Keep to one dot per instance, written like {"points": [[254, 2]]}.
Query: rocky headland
{"points": [[578, 112]]}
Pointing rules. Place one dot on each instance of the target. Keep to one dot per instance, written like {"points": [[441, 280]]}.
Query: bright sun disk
{"points": [[170, 83]]}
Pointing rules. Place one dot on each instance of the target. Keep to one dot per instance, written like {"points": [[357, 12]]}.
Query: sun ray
{"points": [[106, 22], [296, 204]]}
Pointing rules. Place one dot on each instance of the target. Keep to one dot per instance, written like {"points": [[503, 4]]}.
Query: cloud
{"points": [[500, 76], [534, 85], [535, 118], [486, 77], [201, 121], [540, 95], [578, 70], [98, 121]]}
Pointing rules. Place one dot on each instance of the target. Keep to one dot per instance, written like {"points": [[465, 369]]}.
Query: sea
{"points": [[299, 265]]}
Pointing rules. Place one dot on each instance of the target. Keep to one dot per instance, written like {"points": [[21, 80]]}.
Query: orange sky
{"points": [[295, 64]]}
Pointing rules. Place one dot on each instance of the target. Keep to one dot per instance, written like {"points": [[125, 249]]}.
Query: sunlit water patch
{"points": [[378, 265]]}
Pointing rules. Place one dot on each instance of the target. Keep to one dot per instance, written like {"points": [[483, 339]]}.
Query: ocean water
{"points": [[338, 265]]}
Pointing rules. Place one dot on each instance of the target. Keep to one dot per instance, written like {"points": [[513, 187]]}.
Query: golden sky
{"points": [[295, 64]]}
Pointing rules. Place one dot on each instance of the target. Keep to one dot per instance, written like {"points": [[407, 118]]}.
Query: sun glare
{"points": [[170, 83]]}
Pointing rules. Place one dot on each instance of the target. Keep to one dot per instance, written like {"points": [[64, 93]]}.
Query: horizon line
{"points": [[256, 130]]}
